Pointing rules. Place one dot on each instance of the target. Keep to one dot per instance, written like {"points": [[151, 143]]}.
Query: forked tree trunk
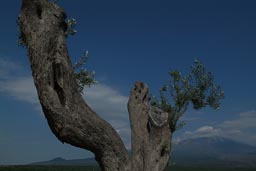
{"points": [[43, 28]]}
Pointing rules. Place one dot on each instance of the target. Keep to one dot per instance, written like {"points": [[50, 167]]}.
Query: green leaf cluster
{"points": [[71, 27], [83, 76], [197, 88]]}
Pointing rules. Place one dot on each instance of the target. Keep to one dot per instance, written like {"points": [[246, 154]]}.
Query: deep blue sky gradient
{"points": [[137, 40]]}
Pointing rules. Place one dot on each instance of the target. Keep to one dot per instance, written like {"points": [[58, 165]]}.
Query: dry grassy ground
{"points": [[94, 168]]}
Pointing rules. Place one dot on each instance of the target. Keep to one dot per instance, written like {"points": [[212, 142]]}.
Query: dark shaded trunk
{"points": [[43, 28]]}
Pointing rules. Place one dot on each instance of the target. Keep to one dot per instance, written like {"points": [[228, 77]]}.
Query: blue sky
{"points": [[130, 41]]}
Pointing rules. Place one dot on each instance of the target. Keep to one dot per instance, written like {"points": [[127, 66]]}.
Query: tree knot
{"points": [[157, 116]]}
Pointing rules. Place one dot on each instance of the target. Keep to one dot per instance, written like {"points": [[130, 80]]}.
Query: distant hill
{"points": [[198, 152], [213, 151], [63, 162]]}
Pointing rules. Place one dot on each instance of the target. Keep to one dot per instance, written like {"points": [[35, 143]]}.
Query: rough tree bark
{"points": [[43, 27]]}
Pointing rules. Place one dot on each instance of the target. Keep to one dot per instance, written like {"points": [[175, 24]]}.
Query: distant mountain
{"points": [[213, 151], [201, 152], [63, 162]]}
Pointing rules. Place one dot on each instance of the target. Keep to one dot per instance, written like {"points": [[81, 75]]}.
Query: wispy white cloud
{"points": [[109, 103], [240, 129], [8, 68], [20, 88], [246, 120], [203, 131], [14, 83]]}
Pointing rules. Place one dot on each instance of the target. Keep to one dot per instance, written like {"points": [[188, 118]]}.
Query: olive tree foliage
{"points": [[44, 29], [71, 27], [83, 76], [197, 88]]}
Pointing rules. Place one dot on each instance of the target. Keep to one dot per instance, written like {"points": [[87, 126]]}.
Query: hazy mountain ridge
{"points": [[213, 151], [63, 162], [205, 151]]}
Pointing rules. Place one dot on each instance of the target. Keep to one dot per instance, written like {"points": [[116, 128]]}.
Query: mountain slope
{"points": [[214, 151], [201, 152], [63, 162]]}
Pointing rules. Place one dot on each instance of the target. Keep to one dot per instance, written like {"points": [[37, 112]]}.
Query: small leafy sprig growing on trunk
{"points": [[83, 76], [21, 37], [71, 23], [197, 88]]}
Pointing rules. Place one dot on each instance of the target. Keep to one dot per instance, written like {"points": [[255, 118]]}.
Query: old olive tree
{"points": [[43, 31]]}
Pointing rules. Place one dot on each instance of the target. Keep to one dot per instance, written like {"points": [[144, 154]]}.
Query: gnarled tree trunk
{"points": [[43, 28]]}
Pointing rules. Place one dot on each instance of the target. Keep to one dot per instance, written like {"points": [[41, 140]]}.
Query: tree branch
{"points": [[138, 113], [43, 27], [151, 135]]}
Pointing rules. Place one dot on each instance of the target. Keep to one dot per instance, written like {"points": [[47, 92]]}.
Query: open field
{"points": [[49, 168], [95, 168], [177, 168]]}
